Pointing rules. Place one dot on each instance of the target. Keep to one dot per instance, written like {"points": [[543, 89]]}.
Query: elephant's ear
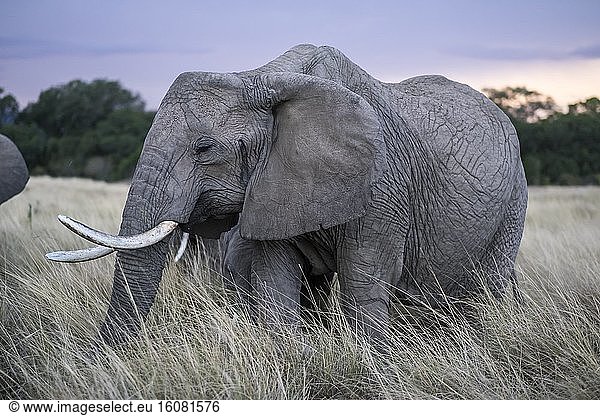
{"points": [[325, 154]]}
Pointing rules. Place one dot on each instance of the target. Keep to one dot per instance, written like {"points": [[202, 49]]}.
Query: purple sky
{"points": [[551, 46]]}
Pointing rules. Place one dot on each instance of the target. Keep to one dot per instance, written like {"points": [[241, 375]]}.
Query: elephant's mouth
{"points": [[212, 227]]}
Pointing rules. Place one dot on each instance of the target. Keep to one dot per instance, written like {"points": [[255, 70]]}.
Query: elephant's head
{"points": [[13, 170], [288, 153]]}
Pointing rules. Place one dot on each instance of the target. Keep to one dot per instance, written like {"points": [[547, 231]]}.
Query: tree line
{"points": [[96, 130], [557, 148]]}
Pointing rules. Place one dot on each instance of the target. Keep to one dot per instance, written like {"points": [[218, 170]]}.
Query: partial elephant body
{"points": [[402, 189], [237, 255], [13, 170], [451, 202], [466, 183]]}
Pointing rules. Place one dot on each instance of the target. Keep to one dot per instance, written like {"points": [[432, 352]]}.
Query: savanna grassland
{"points": [[196, 344]]}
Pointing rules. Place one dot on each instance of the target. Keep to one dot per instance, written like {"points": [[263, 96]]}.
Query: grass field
{"points": [[196, 345]]}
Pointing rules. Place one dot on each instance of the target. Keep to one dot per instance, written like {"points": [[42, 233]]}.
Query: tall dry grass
{"points": [[197, 344]]}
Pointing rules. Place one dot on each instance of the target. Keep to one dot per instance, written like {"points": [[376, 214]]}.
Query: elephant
{"points": [[13, 170], [413, 189]]}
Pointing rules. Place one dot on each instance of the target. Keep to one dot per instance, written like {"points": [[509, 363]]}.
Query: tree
{"points": [[590, 106], [522, 104], [93, 129], [116, 144], [9, 108], [563, 149], [77, 106], [32, 142]]}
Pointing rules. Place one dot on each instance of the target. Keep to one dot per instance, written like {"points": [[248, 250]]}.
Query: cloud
{"points": [[589, 52], [27, 48], [524, 54]]}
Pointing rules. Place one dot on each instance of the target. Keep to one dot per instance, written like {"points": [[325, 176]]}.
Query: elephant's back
{"points": [[469, 142], [469, 157]]}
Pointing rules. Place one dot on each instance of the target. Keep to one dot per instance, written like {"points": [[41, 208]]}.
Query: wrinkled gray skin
{"points": [[13, 170], [401, 188]]}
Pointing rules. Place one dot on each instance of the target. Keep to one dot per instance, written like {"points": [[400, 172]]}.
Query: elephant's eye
{"points": [[205, 151], [203, 148], [203, 145]]}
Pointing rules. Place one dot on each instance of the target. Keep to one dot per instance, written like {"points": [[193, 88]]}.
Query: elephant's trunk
{"points": [[138, 272], [137, 276]]}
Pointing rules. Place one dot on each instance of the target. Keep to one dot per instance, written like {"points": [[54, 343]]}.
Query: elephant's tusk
{"points": [[182, 246], [144, 239], [77, 256]]}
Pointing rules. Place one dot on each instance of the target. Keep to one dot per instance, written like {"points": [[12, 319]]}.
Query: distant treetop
{"points": [[523, 104], [77, 106]]}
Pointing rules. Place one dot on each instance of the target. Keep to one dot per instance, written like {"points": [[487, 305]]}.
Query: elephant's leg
{"points": [[498, 262], [370, 262], [368, 274], [237, 255], [277, 279]]}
